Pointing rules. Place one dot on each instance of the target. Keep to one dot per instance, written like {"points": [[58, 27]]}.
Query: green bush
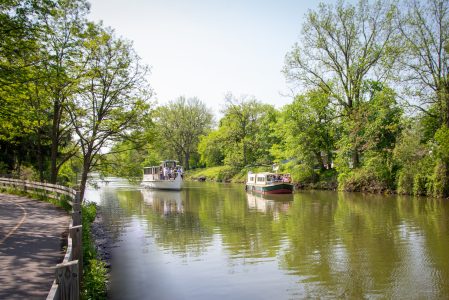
{"points": [[95, 274], [439, 181], [405, 181], [221, 173], [94, 280], [419, 185], [303, 174], [362, 180]]}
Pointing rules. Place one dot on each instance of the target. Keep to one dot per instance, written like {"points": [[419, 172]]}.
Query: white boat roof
{"points": [[267, 173]]}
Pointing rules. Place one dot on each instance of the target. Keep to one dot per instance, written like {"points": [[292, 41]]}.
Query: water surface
{"points": [[215, 241]]}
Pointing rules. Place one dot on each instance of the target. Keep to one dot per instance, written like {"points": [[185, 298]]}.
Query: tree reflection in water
{"points": [[330, 244]]}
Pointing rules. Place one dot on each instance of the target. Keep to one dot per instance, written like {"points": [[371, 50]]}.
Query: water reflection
{"points": [[273, 204], [165, 202], [217, 241]]}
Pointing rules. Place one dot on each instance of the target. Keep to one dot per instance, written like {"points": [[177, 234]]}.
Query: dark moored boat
{"points": [[269, 183]]}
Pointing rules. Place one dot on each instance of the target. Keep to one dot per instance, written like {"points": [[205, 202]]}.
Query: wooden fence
{"points": [[68, 274]]}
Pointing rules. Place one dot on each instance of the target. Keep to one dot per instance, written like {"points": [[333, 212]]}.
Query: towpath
{"points": [[31, 237]]}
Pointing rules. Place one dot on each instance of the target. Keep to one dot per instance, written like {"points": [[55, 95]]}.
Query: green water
{"points": [[215, 241]]}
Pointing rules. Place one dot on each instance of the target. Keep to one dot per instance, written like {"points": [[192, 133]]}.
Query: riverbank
{"points": [[102, 239], [96, 278], [328, 180], [318, 180]]}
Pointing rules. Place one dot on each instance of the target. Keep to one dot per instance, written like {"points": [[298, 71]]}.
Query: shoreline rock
{"points": [[102, 239]]}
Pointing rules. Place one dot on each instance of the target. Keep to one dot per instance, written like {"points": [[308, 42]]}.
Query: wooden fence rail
{"points": [[68, 274]]}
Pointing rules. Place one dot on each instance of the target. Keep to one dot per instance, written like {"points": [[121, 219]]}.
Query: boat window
{"points": [[260, 179]]}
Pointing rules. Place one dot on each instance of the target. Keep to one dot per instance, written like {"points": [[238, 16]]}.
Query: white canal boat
{"points": [[167, 176]]}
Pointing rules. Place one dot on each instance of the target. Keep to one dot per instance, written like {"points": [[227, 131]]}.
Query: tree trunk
{"points": [[186, 162], [40, 160], [329, 160], [319, 160], [86, 168], [54, 142], [446, 103]]}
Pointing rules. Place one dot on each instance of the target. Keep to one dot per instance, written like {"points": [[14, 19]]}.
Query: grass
{"points": [[224, 173], [220, 173], [95, 273]]}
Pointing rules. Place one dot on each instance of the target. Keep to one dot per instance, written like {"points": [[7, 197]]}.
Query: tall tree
{"points": [[342, 46], [63, 29], [307, 130], [424, 27], [23, 105], [211, 148], [181, 123], [246, 128], [113, 100]]}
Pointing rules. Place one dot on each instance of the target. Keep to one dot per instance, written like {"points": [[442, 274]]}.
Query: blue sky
{"points": [[205, 49]]}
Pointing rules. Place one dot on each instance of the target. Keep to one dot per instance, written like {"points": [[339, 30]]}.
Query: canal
{"points": [[215, 241]]}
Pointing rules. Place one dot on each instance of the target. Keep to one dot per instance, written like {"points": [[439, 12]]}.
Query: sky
{"points": [[206, 49]]}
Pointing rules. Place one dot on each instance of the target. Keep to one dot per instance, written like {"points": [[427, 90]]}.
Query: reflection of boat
{"points": [[267, 203], [164, 202], [269, 183], [166, 176]]}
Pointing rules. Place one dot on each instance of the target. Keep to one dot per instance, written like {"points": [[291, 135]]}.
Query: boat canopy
{"points": [[170, 164]]}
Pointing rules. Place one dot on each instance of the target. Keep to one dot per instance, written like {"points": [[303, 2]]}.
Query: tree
{"points": [[247, 130], [341, 47], [376, 132], [424, 28], [211, 149], [425, 31], [414, 158], [181, 123], [63, 30], [25, 107], [308, 130], [113, 98]]}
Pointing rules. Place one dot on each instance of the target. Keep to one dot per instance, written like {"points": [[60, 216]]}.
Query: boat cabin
{"points": [[168, 169], [267, 178], [269, 183]]}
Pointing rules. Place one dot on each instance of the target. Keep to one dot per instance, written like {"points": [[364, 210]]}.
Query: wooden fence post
{"points": [[67, 277], [76, 214], [76, 209], [76, 233]]}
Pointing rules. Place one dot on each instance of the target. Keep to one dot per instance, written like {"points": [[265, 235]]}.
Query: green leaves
{"points": [[180, 124]]}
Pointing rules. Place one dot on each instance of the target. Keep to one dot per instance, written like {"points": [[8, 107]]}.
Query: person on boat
{"points": [[165, 173]]}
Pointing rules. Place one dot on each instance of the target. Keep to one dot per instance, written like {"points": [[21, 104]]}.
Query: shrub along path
{"points": [[31, 237]]}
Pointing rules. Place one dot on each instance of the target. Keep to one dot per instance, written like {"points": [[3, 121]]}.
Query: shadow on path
{"points": [[32, 233]]}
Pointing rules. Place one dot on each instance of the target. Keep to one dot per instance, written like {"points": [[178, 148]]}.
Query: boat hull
{"points": [[280, 188], [174, 185]]}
